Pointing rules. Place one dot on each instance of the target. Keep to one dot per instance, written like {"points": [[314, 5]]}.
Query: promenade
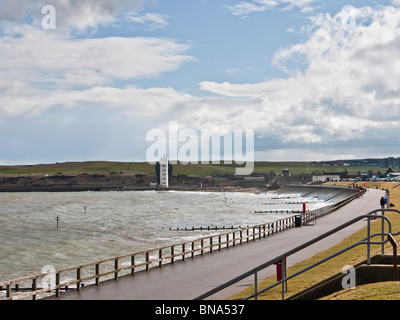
{"points": [[188, 279]]}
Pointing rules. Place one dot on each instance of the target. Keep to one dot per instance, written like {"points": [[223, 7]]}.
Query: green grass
{"points": [[373, 291], [189, 169]]}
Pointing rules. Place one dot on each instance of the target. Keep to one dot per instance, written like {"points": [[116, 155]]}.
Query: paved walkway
{"points": [[193, 277]]}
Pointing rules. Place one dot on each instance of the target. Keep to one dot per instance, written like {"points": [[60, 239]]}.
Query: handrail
{"points": [[282, 257], [207, 244]]}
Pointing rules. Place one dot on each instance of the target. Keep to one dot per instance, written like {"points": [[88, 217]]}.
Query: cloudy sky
{"points": [[314, 79]]}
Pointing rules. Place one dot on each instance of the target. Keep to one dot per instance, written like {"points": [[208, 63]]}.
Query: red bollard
{"points": [[279, 270], [304, 207], [279, 274]]}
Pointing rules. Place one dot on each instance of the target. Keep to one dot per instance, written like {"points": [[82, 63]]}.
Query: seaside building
{"points": [[163, 172], [324, 178]]}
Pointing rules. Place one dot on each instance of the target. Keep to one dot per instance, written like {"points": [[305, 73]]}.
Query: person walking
{"points": [[382, 203]]}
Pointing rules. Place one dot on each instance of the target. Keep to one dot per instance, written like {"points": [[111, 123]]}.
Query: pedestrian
{"points": [[382, 203]]}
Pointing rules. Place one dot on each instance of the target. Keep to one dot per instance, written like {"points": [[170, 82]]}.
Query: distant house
{"points": [[324, 178]]}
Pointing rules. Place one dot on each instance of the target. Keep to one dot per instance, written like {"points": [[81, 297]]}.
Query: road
{"points": [[190, 278]]}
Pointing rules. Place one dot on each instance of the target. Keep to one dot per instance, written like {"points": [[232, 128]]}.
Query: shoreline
{"points": [[104, 188]]}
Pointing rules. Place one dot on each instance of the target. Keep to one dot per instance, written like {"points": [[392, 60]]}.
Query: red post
{"points": [[278, 271], [304, 207], [279, 275]]}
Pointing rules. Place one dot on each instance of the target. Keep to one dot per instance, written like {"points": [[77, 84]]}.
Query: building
{"points": [[163, 172], [324, 178]]}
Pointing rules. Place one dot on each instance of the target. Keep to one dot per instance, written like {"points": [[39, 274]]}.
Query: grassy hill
{"points": [[189, 169]]}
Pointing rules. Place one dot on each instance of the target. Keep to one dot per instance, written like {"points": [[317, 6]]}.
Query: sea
{"points": [[65, 229]]}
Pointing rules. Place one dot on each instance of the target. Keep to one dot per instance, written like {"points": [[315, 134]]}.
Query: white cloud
{"points": [[244, 8], [151, 20], [346, 88], [71, 15], [34, 60]]}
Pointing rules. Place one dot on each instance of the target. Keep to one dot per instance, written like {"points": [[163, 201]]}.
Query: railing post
{"points": [[172, 255], [183, 251], [57, 284], [255, 286], [394, 245], [116, 269], [211, 244], [97, 270], [192, 249], [147, 260], [202, 246], [284, 283], [369, 240], [34, 288], [8, 291], [78, 278], [219, 242], [160, 258], [132, 265], [383, 235]]}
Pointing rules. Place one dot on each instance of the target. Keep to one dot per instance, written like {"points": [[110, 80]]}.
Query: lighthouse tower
{"points": [[164, 172]]}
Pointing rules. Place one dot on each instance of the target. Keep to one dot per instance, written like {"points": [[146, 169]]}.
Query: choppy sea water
{"points": [[98, 225]]}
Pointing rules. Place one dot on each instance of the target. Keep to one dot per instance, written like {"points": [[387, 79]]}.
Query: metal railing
{"points": [[385, 237], [93, 273]]}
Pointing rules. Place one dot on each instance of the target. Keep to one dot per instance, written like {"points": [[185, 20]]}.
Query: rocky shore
{"points": [[118, 181]]}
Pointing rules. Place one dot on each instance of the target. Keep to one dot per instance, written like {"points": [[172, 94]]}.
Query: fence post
{"points": [[172, 254], [116, 269], [78, 278], [97, 270], [57, 284], [160, 257], [183, 251], [255, 286], [34, 287], [8, 292], [132, 265]]}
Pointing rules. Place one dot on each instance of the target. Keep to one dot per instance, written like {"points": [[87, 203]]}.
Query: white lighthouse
{"points": [[164, 172]]}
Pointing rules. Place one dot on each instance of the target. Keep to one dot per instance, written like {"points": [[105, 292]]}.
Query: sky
{"points": [[313, 79]]}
